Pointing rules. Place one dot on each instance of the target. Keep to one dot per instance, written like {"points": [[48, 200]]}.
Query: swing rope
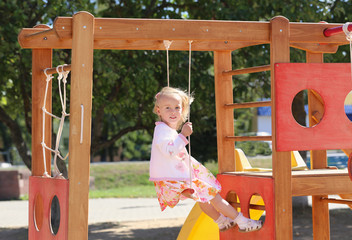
{"points": [[189, 111], [167, 45], [61, 77]]}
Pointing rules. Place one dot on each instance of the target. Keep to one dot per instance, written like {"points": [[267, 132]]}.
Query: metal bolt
{"points": [[173, 29], [100, 28], [45, 38], [84, 27], [83, 65], [226, 42], [207, 30], [280, 30], [137, 29], [63, 27]]}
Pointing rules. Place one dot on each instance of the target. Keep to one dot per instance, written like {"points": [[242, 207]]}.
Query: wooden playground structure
{"points": [[83, 33]]}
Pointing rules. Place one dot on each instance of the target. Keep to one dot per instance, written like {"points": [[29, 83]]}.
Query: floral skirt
{"points": [[204, 184]]}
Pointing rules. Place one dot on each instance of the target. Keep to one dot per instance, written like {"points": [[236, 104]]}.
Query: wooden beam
{"points": [[146, 34], [224, 116], [280, 53], [80, 134], [41, 58]]}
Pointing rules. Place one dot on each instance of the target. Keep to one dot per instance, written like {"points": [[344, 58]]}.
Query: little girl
{"points": [[169, 165]]}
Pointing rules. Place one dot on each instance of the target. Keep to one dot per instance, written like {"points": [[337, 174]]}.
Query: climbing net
{"points": [[62, 78]]}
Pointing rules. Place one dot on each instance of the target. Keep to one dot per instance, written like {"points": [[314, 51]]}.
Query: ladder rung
{"points": [[248, 105], [338, 201], [250, 138], [247, 70], [53, 70]]}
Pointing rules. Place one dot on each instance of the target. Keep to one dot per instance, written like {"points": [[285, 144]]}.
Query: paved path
{"points": [[15, 213]]}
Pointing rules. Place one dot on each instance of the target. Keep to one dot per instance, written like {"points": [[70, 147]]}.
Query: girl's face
{"points": [[170, 109]]}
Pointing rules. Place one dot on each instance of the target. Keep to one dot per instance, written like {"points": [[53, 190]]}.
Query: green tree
{"points": [[125, 82]]}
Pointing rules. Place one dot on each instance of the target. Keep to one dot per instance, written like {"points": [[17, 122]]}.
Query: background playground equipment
{"points": [[83, 33]]}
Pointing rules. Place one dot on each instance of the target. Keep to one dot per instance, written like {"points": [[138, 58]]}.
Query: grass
{"points": [[131, 179], [124, 180]]}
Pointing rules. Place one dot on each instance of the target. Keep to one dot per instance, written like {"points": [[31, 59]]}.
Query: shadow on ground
{"points": [[340, 228]]}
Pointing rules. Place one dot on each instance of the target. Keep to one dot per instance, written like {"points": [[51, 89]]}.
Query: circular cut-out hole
{"points": [[38, 212], [54, 215], [299, 108], [233, 199], [348, 106], [257, 208]]}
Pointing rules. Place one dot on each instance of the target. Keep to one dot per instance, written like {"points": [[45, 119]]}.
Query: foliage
{"points": [[125, 82]]}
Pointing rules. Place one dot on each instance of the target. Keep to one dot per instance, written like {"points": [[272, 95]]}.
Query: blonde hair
{"points": [[185, 100]]}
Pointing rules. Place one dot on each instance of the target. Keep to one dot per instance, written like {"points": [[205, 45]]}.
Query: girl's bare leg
{"points": [[224, 207], [209, 210]]}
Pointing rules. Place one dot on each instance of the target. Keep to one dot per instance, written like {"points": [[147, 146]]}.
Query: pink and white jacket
{"points": [[169, 157]]}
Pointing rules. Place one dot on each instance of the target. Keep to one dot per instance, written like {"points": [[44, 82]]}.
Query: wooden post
{"points": [[80, 134], [318, 159], [224, 116], [41, 59], [280, 53]]}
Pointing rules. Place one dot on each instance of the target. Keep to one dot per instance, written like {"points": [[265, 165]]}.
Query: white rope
{"points": [[349, 38], [61, 77], [167, 45], [189, 110]]}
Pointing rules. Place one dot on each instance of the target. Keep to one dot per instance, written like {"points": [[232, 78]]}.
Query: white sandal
{"points": [[225, 223], [246, 224]]}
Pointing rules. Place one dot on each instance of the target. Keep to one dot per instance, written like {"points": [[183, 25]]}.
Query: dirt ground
{"points": [[340, 228]]}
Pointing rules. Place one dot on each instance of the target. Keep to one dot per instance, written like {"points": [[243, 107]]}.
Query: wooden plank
{"points": [[79, 145], [280, 52], [248, 70], [320, 209], [224, 116], [41, 59], [249, 105]]}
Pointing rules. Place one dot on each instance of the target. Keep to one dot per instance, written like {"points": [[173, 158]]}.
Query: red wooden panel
{"points": [[47, 188], [333, 82], [245, 187]]}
